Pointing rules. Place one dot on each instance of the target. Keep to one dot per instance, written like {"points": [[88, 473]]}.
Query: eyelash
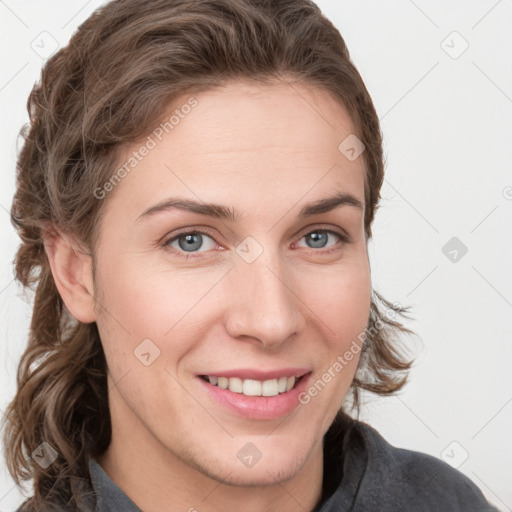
{"points": [[204, 231]]}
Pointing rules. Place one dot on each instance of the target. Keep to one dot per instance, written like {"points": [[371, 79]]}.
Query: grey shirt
{"points": [[362, 473]]}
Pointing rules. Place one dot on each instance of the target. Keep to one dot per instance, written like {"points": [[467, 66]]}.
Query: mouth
{"points": [[253, 387], [256, 399]]}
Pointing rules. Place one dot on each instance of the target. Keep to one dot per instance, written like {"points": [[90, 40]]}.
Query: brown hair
{"points": [[107, 88]]}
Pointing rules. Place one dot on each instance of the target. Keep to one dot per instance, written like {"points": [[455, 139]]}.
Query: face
{"points": [[274, 290]]}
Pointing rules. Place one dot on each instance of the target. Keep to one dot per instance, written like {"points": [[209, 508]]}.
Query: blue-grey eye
{"points": [[191, 242], [318, 239]]}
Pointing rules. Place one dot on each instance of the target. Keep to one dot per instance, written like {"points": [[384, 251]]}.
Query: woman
{"points": [[195, 198]]}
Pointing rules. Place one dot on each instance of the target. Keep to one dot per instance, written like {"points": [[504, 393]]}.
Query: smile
{"points": [[268, 397], [250, 387]]}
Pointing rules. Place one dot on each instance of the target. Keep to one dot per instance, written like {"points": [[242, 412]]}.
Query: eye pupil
{"points": [[319, 238], [192, 241]]}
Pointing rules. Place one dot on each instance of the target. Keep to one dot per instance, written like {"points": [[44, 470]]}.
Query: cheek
{"points": [[340, 299], [150, 302], [342, 302]]}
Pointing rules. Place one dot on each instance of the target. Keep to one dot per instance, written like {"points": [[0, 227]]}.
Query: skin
{"points": [[265, 151]]}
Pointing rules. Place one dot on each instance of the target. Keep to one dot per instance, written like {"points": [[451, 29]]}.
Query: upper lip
{"points": [[256, 374]]}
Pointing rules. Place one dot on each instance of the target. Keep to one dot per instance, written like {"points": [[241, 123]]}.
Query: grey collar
{"points": [[110, 498]]}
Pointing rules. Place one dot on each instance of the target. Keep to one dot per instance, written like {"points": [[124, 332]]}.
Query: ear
{"points": [[72, 272]]}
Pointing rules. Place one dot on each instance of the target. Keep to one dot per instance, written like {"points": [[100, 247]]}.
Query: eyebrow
{"points": [[222, 212]]}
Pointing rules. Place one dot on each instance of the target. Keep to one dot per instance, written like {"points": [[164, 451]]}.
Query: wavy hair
{"points": [[107, 88]]}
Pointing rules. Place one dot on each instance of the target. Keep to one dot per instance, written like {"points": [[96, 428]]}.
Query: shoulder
{"points": [[417, 481], [29, 505], [26, 506]]}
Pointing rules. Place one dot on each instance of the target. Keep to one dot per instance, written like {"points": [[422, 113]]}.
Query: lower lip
{"points": [[258, 407]]}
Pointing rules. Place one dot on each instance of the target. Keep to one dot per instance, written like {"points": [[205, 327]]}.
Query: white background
{"points": [[447, 124]]}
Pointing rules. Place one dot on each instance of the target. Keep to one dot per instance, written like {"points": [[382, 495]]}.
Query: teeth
{"points": [[235, 385], [269, 388], [223, 382], [250, 387]]}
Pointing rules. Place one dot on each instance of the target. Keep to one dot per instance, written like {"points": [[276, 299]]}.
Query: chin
{"points": [[259, 475], [278, 466]]}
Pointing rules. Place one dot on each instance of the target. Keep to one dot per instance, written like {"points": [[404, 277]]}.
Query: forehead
{"points": [[245, 142], [242, 115]]}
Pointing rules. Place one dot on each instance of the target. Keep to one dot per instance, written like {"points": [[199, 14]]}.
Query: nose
{"points": [[262, 303]]}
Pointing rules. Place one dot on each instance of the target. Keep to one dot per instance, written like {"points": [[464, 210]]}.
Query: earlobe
{"points": [[72, 272]]}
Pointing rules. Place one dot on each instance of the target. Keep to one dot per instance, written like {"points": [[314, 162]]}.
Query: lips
{"points": [[257, 399]]}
